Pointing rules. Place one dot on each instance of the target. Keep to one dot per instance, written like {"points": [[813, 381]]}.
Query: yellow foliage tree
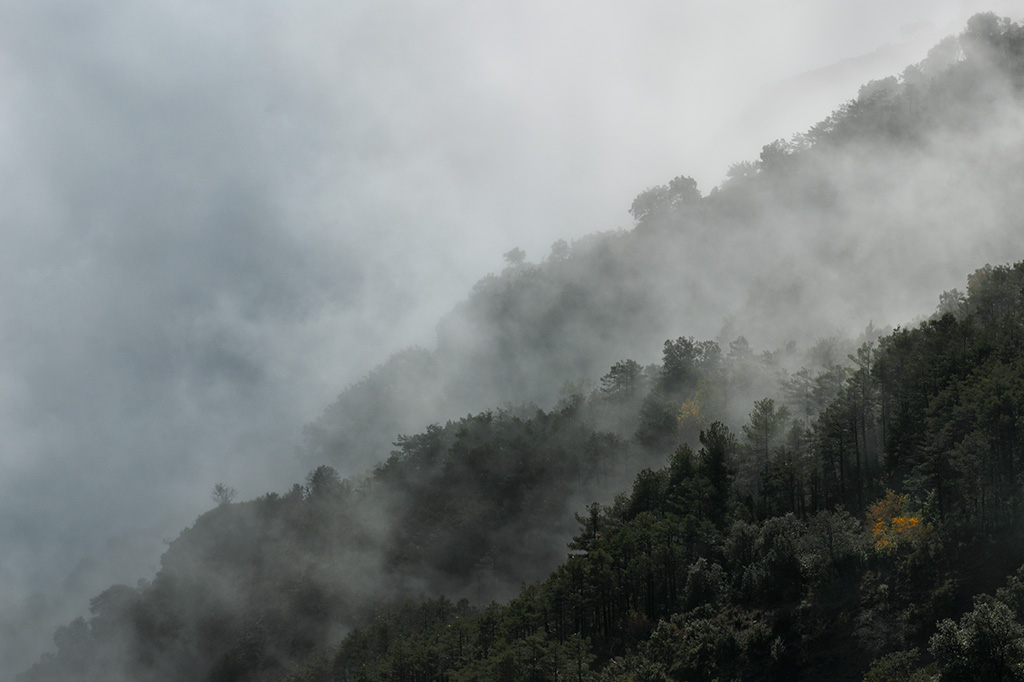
{"points": [[893, 524], [690, 417]]}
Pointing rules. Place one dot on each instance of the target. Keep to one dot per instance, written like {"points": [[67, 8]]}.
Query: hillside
{"points": [[860, 219], [754, 498], [841, 524], [853, 547]]}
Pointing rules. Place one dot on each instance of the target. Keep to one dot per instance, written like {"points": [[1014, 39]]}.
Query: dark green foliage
{"points": [[684, 362], [987, 644], [898, 666], [623, 380], [633, 590], [950, 393], [460, 488], [667, 583], [716, 465], [254, 587]]}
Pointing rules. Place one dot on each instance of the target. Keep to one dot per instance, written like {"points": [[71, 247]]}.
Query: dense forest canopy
{"points": [[777, 503]]}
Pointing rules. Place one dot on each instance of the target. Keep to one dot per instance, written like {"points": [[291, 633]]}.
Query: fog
{"points": [[217, 217]]}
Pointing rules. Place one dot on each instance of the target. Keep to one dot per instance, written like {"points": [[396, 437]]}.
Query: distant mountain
{"points": [[813, 94]]}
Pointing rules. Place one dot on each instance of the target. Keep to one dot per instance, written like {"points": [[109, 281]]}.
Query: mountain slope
{"points": [[859, 219], [691, 577]]}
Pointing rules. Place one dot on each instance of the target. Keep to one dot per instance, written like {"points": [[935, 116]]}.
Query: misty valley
{"points": [[658, 453]]}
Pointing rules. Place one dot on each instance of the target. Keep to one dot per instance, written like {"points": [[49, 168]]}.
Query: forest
{"points": [[774, 502]]}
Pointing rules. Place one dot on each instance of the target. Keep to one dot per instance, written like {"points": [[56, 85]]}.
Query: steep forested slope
{"points": [[735, 562], [861, 218], [815, 505], [800, 546]]}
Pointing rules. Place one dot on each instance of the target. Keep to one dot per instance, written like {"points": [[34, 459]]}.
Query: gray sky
{"points": [[217, 215]]}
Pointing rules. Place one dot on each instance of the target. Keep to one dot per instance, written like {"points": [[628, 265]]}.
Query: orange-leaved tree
{"points": [[894, 525]]}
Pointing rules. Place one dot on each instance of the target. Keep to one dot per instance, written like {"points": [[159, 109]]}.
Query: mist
{"points": [[216, 219]]}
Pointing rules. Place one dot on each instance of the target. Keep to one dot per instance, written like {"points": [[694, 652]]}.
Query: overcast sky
{"points": [[217, 215]]}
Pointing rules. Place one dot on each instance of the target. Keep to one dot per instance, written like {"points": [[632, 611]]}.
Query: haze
{"points": [[217, 218]]}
